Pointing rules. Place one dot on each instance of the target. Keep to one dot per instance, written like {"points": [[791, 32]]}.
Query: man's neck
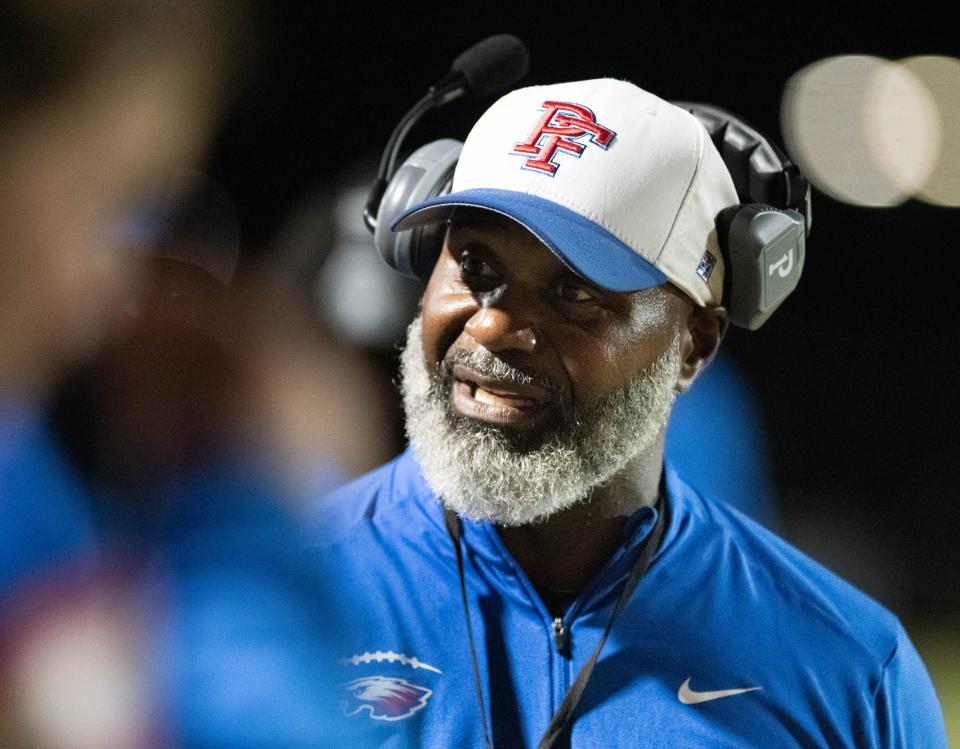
{"points": [[563, 553]]}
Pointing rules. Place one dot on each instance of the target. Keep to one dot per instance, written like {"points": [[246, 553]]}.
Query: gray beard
{"points": [[488, 473]]}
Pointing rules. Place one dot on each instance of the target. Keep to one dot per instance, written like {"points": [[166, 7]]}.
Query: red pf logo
{"points": [[559, 128]]}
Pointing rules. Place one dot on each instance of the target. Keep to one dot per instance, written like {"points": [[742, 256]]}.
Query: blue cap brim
{"points": [[585, 247]]}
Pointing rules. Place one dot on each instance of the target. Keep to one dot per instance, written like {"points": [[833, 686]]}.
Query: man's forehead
{"points": [[505, 234]]}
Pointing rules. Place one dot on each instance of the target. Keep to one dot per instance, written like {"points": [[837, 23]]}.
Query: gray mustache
{"points": [[485, 363]]}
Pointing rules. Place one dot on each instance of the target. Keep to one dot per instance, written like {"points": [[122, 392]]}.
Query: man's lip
{"points": [[503, 404], [510, 390]]}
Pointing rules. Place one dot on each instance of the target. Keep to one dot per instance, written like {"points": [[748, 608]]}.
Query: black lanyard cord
{"points": [[453, 528], [564, 715]]}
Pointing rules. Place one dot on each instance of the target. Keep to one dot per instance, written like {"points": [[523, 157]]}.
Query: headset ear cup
{"points": [[425, 174], [766, 253]]}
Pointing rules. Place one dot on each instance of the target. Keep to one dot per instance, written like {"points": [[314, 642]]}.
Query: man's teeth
{"points": [[495, 399]]}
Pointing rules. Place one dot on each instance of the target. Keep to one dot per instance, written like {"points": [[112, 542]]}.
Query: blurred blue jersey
{"points": [[45, 521], [734, 467], [248, 636], [240, 634]]}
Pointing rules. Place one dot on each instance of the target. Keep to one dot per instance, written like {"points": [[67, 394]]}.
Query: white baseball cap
{"points": [[622, 186]]}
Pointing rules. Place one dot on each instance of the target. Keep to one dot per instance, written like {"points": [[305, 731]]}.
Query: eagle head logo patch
{"points": [[384, 697]]}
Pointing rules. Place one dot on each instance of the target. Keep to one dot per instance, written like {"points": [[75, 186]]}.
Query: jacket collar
{"points": [[483, 543]]}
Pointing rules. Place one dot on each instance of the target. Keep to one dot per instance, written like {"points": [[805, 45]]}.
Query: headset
{"points": [[763, 240]]}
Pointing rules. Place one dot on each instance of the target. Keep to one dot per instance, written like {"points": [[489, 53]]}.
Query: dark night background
{"points": [[857, 373]]}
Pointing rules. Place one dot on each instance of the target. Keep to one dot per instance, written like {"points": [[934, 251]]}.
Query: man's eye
{"points": [[571, 292], [471, 265]]}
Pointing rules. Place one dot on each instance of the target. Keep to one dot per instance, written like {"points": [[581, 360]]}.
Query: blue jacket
{"points": [[726, 605]]}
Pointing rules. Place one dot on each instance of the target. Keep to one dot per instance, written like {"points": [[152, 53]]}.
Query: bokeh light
{"points": [[865, 130], [901, 125], [941, 76]]}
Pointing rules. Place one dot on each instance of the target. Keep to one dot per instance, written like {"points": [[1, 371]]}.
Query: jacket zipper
{"points": [[559, 635]]}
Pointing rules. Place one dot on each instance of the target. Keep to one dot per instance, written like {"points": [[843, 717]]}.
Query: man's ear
{"points": [[700, 340]]}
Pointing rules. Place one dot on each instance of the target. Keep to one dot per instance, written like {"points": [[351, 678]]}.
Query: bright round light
{"points": [[901, 125], [863, 129], [941, 76]]}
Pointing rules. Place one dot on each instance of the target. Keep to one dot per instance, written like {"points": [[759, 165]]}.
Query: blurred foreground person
{"points": [[204, 464], [93, 96], [164, 603], [528, 573]]}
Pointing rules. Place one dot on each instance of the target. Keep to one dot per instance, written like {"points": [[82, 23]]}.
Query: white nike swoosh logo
{"points": [[689, 697]]}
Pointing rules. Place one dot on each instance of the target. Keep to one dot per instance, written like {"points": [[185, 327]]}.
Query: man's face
{"points": [[526, 386]]}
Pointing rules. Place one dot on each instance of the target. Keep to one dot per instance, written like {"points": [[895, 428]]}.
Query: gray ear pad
{"points": [[765, 248], [428, 172]]}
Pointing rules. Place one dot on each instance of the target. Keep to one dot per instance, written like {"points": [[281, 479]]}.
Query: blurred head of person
{"points": [[101, 101]]}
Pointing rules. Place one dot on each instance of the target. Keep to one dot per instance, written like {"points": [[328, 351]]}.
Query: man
{"points": [[532, 516]]}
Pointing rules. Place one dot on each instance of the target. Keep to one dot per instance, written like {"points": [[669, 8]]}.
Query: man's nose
{"points": [[497, 329]]}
